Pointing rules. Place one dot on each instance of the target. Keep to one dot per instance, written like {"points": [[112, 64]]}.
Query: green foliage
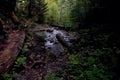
{"points": [[52, 15], [36, 8], [40, 8], [58, 12], [52, 77], [74, 59], [25, 49], [10, 76], [13, 74], [67, 13], [91, 60], [78, 12], [89, 75], [40, 37], [88, 67], [20, 60], [104, 51]]}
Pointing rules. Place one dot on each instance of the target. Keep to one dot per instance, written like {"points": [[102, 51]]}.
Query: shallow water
{"points": [[51, 42]]}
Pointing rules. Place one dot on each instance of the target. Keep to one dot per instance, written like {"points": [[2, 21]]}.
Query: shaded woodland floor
{"points": [[53, 53]]}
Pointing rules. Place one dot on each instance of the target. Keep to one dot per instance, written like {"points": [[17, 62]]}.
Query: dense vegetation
{"points": [[67, 13], [95, 55]]}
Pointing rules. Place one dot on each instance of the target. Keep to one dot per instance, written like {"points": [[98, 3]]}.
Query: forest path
{"points": [[48, 52]]}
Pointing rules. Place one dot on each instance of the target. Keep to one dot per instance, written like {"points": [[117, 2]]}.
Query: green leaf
{"points": [[20, 61], [74, 59], [25, 49], [91, 60], [52, 77]]}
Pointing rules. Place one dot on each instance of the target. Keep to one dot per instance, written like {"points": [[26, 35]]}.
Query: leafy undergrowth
{"points": [[89, 67], [92, 58]]}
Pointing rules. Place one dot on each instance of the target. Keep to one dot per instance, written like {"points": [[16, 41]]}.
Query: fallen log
{"points": [[9, 53], [60, 38]]}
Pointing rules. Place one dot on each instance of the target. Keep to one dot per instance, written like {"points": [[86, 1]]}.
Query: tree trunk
{"points": [[14, 18], [29, 9], [7, 8], [2, 33]]}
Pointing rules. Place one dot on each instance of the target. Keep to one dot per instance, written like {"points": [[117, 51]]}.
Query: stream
{"points": [[47, 56], [52, 43]]}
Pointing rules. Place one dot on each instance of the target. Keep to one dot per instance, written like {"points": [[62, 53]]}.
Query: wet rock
{"points": [[38, 56], [49, 30]]}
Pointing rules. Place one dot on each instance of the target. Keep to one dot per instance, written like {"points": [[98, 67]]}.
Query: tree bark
{"points": [[9, 51]]}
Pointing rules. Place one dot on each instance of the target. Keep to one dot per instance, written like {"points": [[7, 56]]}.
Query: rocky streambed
{"points": [[48, 52]]}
